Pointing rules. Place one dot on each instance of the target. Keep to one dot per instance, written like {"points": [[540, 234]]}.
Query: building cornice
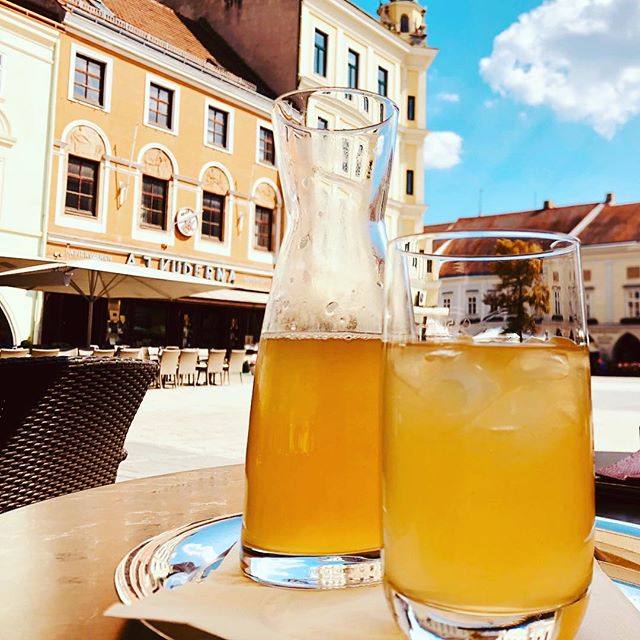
{"points": [[629, 245], [29, 24], [344, 9], [413, 133], [113, 247], [126, 44]]}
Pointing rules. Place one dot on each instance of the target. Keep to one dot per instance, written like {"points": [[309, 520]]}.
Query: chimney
{"points": [[549, 204], [610, 198]]}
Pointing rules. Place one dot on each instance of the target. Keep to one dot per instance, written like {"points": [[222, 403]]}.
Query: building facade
{"points": [[610, 237], [28, 45], [335, 43], [163, 158]]}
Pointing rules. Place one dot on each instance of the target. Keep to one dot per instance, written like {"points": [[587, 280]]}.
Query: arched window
{"points": [[627, 349], [215, 188], [86, 151], [265, 202], [157, 171], [404, 23], [7, 339]]}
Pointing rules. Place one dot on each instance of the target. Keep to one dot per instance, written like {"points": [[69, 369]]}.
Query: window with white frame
{"points": [[160, 106], [556, 302], [263, 231], [153, 212], [82, 186], [89, 80], [446, 301], [632, 299], [212, 216], [353, 69], [472, 305], [266, 153], [320, 45], [383, 81], [588, 297], [218, 127]]}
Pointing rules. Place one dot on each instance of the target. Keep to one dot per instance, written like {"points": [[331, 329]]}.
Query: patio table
{"points": [[58, 557]]}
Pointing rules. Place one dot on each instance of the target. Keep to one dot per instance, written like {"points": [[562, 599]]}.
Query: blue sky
{"points": [[554, 114]]}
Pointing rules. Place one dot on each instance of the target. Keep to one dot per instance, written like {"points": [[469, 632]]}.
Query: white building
{"points": [[341, 45], [293, 44], [27, 60], [610, 237]]}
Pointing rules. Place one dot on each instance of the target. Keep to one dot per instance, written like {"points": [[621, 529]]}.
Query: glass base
{"points": [[420, 621], [311, 572]]}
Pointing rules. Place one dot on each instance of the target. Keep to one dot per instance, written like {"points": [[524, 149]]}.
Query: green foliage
{"points": [[521, 291]]}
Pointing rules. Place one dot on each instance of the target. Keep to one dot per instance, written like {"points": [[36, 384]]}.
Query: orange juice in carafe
{"points": [[313, 455]]}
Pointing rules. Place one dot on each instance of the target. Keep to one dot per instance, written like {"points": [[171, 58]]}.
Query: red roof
{"points": [[615, 223], [195, 38]]}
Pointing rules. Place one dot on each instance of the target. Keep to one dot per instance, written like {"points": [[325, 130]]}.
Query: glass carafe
{"points": [[312, 509]]}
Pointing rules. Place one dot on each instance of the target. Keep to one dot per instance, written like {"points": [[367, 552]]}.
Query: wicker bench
{"points": [[63, 422]]}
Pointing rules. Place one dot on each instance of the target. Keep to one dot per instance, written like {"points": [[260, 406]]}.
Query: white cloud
{"points": [[448, 97], [442, 150], [579, 57], [489, 104]]}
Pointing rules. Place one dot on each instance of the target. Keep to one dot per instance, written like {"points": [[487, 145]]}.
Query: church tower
{"points": [[405, 18]]}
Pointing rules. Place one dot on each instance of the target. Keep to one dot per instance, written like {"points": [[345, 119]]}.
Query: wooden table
{"points": [[58, 557]]}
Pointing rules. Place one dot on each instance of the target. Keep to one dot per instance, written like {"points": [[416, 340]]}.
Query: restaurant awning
{"points": [[94, 279], [235, 295], [10, 261]]}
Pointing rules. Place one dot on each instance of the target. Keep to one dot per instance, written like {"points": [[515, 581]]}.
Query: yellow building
{"points": [[610, 237], [303, 44], [163, 157]]}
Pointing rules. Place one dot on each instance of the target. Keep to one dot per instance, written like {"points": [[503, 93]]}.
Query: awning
{"points": [[234, 295], [94, 279], [10, 261]]}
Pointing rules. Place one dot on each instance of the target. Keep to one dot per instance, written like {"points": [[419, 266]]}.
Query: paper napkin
{"points": [[230, 606]]}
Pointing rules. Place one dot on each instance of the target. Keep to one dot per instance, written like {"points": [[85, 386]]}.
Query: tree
{"points": [[521, 291]]}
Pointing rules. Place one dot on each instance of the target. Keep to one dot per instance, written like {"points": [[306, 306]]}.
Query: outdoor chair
{"points": [[63, 422], [187, 366], [44, 353], [168, 367], [14, 353], [236, 363], [153, 353], [215, 365], [130, 353], [104, 353], [69, 353]]}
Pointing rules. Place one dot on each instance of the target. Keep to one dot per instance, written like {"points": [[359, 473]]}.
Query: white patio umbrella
{"points": [[94, 279], [10, 260]]}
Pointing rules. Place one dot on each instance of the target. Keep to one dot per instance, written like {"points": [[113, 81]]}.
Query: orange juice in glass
{"points": [[312, 506], [488, 485]]}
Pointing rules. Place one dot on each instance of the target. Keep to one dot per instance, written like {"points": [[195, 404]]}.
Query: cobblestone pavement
{"points": [[189, 428]]}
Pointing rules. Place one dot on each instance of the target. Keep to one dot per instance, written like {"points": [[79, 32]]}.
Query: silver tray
{"points": [[191, 552]]}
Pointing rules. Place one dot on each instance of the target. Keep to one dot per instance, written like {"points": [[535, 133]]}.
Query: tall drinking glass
{"points": [[488, 489], [312, 509]]}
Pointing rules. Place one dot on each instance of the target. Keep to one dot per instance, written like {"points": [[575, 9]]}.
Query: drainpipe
{"points": [[38, 307]]}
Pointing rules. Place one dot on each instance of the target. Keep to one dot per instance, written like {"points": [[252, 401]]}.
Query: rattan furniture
{"points": [[44, 353], [63, 422], [14, 353], [168, 367], [215, 365], [236, 363]]}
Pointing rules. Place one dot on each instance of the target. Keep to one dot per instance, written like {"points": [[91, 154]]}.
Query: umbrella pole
{"points": [[89, 321]]}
